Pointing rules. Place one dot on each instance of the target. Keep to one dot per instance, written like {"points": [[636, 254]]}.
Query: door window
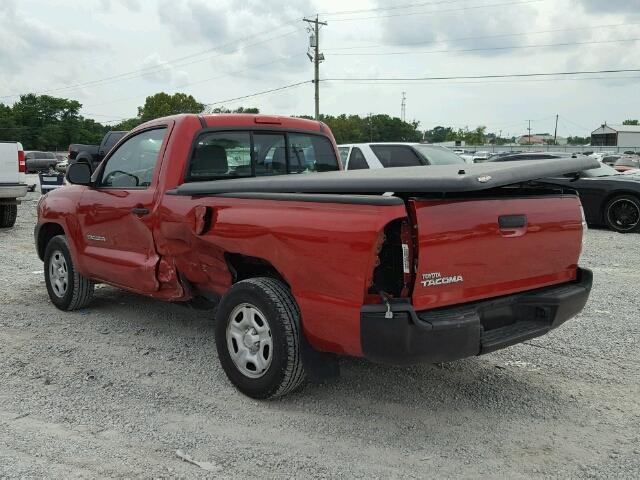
{"points": [[357, 160], [133, 163]]}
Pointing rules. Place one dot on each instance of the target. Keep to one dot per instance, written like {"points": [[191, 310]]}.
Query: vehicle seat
{"points": [[209, 160]]}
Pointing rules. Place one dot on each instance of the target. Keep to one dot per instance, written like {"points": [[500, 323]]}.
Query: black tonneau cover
{"points": [[424, 179]]}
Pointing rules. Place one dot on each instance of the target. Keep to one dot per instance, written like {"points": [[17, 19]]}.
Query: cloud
{"points": [[24, 37], [454, 27], [627, 7]]}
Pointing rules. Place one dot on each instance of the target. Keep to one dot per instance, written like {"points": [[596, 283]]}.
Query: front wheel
{"points": [[68, 290], [622, 213], [258, 338]]}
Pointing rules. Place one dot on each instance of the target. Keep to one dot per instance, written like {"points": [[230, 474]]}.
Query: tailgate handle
{"points": [[507, 222]]}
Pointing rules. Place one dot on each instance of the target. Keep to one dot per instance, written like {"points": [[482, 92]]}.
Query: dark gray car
{"points": [[39, 161]]}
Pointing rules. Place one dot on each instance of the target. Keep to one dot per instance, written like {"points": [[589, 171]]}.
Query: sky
{"points": [[111, 54]]}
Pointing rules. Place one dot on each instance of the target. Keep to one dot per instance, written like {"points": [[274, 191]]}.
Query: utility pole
{"points": [[403, 106], [555, 133], [529, 138], [316, 58]]}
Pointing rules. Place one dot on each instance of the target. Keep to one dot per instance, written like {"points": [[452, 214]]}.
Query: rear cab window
{"points": [[236, 154]]}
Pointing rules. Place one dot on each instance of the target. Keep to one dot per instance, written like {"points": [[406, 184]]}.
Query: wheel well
{"points": [[45, 234], [617, 193], [244, 266]]}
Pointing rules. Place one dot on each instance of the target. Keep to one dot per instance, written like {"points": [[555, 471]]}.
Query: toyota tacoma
{"points": [[249, 215]]}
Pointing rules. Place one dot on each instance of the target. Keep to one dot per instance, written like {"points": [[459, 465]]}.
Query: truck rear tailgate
{"points": [[472, 249]]}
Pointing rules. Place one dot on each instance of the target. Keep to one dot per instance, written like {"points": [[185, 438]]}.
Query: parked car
{"points": [[93, 154], [359, 156], [40, 161], [62, 165], [626, 163], [302, 263], [609, 198], [13, 183], [610, 159]]}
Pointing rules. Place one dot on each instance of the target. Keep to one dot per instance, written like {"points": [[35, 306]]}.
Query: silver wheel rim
{"points": [[249, 340], [58, 274], [631, 216]]}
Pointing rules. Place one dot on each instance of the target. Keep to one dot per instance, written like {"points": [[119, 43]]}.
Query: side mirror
{"points": [[79, 173]]}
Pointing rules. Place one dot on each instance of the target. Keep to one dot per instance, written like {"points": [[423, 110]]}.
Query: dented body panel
{"points": [[328, 248]]}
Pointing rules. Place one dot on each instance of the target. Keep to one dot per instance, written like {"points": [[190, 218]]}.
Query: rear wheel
{"points": [[8, 215], [622, 214], [258, 338], [68, 290]]}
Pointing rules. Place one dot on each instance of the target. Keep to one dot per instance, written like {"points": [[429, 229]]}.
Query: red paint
{"points": [[462, 237], [325, 252]]}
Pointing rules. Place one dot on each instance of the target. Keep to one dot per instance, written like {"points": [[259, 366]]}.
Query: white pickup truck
{"points": [[13, 182]]}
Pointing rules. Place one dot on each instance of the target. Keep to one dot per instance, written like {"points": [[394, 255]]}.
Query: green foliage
{"points": [[162, 104], [631, 122], [373, 128], [237, 110], [42, 122], [440, 134], [578, 140]]}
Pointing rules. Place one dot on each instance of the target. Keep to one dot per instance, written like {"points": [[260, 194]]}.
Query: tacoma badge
{"points": [[434, 279]]}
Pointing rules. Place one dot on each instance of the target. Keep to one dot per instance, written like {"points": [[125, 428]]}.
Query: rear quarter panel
{"points": [[325, 252]]}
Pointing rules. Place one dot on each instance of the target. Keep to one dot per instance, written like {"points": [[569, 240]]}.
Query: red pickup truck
{"points": [[250, 215]]}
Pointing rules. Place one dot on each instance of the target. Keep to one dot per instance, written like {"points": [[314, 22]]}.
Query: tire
{"points": [[8, 215], [622, 214], [250, 306], [68, 290]]}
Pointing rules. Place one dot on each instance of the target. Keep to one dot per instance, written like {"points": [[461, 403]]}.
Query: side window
{"points": [[221, 155], [357, 160], [132, 165], [396, 156], [344, 154], [311, 153], [270, 154]]}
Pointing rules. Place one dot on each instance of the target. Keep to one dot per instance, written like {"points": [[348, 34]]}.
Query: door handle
{"points": [[140, 211]]}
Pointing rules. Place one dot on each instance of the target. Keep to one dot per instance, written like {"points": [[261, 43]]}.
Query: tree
{"points": [[237, 110], [439, 134], [162, 104], [374, 128], [42, 122], [578, 140], [631, 122]]}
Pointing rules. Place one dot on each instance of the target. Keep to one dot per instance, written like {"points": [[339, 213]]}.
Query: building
{"points": [[540, 139], [624, 136]]}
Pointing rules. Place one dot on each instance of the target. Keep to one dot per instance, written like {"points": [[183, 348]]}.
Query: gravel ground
{"points": [[116, 389]]}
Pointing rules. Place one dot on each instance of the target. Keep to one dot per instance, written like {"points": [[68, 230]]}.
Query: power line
{"points": [[158, 68], [396, 7], [259, 93], [472, 77], [228, 74], [482, 49], [473, 7], [484, 37]]}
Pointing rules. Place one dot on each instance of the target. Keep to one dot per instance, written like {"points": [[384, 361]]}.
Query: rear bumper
{"points": [[452, 333], [12, 190]]}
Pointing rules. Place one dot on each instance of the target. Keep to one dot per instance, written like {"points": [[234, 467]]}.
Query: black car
{"points": [[609, 198]]}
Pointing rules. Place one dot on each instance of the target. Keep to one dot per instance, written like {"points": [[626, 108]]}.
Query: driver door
{"points": [[116, 214]]}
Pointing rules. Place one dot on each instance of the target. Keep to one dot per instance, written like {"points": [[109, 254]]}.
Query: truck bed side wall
{"points": [[325, 252]]}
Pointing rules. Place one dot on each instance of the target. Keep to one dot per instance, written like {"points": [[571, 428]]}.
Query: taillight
{"points": [[22, 165], [393, 272]]}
